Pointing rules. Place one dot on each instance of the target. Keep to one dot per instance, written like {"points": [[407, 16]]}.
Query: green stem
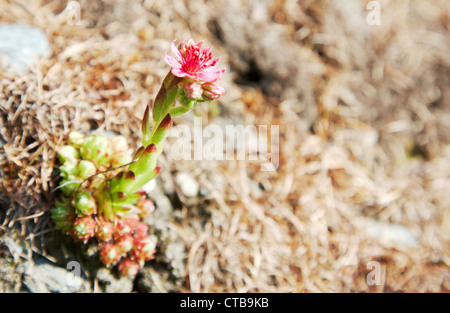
{"points": [[144, 165]]}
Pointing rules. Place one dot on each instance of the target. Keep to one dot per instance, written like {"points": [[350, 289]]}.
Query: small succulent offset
{"points": [[101, 181]]}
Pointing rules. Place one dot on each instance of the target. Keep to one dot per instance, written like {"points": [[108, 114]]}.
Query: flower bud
{"points": [[119, 144], [84, 228], [85, 204], [104, 231], [63, 216], [125, 244], [109, 254], [61, 211], [144, 248], [193, 90], [129, 267], [125, 227], [76, 138], [69, 170], [141, 231], [67, 154], [86, 169], [96, 148], [146, 207], [212, 91]]}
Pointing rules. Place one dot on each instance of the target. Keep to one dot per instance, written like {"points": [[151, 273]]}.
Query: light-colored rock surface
{"points": [[20, 45]]}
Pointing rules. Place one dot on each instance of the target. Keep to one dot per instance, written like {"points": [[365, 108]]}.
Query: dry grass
{"points": [[376, 99]]}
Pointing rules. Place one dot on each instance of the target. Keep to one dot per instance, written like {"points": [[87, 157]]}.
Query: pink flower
{"points": [[194, 62]]}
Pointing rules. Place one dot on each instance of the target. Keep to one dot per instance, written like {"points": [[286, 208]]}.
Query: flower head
{"points": [[194, 62]]}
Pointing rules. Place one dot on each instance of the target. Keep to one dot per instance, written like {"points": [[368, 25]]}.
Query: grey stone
{"points": [[21, 44], [113, 284], [163, 208], [9, 277], [391, 233], [45, 277], [175, 254], [188, 185]]}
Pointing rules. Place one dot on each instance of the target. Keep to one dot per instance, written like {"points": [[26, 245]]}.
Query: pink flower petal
{"points": [[192, 76], [189, 42], [210, 75], [171, 61], [213, 63], [176, 52], [178, 72]]}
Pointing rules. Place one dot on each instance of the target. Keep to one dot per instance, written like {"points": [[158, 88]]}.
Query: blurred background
{"points": [[360, 91]]}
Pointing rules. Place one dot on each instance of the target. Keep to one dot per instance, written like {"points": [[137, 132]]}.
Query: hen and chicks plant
{"points": [[102, 200]]}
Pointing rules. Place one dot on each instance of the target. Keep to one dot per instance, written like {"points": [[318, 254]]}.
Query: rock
{"points": [[44, 277], [150, 186], [113, 284], [9, 278], [164, 209], [175, 254], [391, 233], [21, 44], [156, 279], [188, 185], [16, 247]]}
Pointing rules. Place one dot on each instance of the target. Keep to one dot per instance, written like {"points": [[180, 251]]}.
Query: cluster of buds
{"points": [[101, 181], [86, 212], [200, 90], [127, 243]]}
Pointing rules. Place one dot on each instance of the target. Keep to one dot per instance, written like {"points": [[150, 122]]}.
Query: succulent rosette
{"points": [[101, 180]]}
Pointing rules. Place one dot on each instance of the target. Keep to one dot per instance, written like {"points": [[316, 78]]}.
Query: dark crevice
{"points": [[254, 74], [216, 30]]}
